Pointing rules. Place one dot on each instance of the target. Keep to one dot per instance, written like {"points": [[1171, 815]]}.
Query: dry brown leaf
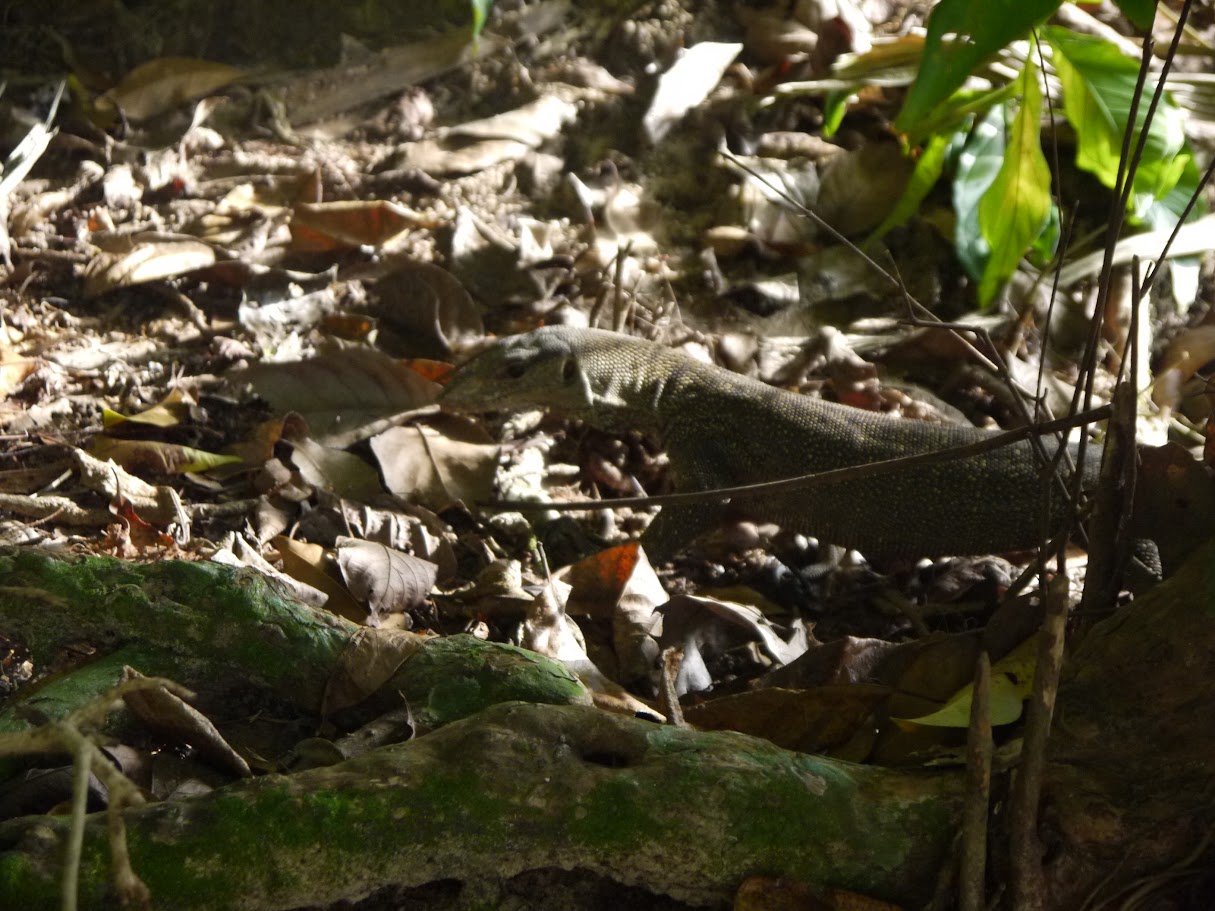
{"points": [[317, 94], [308, 563], [367, 662], [453, 460], [480, 144], [686, 84], [1188, 352], [344, 473], [181, 723], [165, 83], [620, 583], [13, 372], [550, 632], [157, 457], [422, 302], [705, 626], [326, 226], [145, 263], [343, 395], [387, 581], [810, 721]]}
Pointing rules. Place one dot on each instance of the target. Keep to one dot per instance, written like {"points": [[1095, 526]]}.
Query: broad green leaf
{"points": [[1046, 244], [961, 108], [1140, 12], [1016, 207], [927, 171], [977, 164], [975, 31], [1098, 87], [1165, 212]]}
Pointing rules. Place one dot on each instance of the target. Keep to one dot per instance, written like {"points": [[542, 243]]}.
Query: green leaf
{"points": [[978, 162], [1140, 12], [480, 10], [928, 168], [1098, 87], [835, 106], [1012, 682], [977, 31], [959, 109], [1166, 211], [1046, 244], [1016, 207]]}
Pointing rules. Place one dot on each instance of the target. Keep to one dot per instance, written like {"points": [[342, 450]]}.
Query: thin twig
{"points": [[972, 876]]}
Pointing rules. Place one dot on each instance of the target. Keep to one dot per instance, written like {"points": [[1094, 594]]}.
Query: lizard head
{"points": [[540, 369]]}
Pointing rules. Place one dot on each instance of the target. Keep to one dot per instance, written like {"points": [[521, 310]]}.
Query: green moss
{"points": [[614, 813], [457, 676]]}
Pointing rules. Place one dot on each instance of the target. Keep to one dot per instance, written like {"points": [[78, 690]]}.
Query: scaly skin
{"points": [[721, 429]]}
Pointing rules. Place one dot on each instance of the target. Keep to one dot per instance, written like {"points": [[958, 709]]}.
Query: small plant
{"points": [[991, 144]]}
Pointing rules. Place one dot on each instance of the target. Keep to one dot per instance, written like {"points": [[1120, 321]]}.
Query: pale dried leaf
{"points": [[480, 144], [308, 563], [162, 84], [344, 473], [550, 632], [367, 662], [145, 263], [352, 223], [686, 84], [703, 626], [388, 581], [181, 723], [437, 465]]}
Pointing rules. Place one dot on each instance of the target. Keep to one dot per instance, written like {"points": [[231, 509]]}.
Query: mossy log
{"points": [[521, 789], [221, 631], [516, 788]]}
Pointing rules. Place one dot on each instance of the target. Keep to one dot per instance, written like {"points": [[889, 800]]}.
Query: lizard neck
{"points": [[643, 387]]}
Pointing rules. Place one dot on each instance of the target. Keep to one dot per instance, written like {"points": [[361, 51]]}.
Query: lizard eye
{"points": [[569, 370], [516, 370]]}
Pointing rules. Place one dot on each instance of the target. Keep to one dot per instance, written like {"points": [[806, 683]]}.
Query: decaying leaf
{"points": [[480, 144], [448, 460], [369, 660], [309, 564], [686, 84], [429, 306], [344, 473], [352, 223], [181, 723], [386, 580], [819, 720], [145, 263], [621, 584], [157, 457], [706, 626], [549, 631], [165, 83], [343, 395]]}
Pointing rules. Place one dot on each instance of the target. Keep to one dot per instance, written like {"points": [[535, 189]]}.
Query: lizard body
{"points": [[721, 429]]}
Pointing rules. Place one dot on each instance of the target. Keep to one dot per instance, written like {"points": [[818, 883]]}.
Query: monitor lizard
{"points": [[722, 429]]}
